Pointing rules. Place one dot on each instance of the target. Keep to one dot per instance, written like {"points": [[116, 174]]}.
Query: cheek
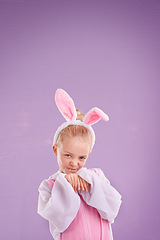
{"points": [[82, 164], [64, 161]]}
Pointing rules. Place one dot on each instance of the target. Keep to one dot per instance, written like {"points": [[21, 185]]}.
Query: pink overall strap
{"points": [[51, 182]]}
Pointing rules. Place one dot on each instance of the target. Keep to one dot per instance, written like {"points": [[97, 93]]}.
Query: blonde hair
{"points": [[75, 130]]}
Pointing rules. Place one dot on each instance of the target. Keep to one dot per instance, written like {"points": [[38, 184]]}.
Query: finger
{"points": [[69, 178], [72, 181], [78, 184], [75, 183], [88, 186], [82, 184], [74, 178], [85, 185]]}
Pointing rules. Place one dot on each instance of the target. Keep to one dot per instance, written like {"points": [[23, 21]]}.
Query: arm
{"points": [[101, 195], [77, 182], [57, 203]]}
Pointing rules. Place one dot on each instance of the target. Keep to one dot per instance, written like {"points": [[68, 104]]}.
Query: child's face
{"points": [[72, 154]]}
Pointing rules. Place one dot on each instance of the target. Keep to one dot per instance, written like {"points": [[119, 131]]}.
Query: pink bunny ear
{"points": [[94, 115], [65, 105]]}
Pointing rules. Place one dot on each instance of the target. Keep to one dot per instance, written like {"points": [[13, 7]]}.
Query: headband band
{"points": [[67, 108], [76, 122]]}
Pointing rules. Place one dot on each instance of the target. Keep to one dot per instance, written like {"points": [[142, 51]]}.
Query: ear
{"points": [[94, 115], [65, 105], [55, 149]]}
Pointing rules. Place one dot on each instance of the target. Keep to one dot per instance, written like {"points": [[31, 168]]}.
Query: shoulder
{"points": [[55, 175], [100, 174], [92, 171], [97, 171], [48, 183], [51, 180]]}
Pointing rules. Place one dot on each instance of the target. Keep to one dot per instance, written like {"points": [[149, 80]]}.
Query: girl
{"points": [[79, 203]]}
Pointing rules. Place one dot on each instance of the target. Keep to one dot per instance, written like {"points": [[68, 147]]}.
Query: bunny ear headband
{"points": [[67, 108]]}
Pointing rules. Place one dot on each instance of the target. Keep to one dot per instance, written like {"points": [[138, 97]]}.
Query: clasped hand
{"points": [[77, 182]]}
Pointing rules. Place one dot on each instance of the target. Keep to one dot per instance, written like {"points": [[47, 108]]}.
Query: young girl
{"points": [[79, 203]]}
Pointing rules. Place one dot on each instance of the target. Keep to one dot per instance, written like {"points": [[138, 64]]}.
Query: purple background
{"points": [[105, 54]]}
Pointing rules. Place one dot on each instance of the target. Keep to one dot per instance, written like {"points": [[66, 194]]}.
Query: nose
{"points": [[73, 163]]}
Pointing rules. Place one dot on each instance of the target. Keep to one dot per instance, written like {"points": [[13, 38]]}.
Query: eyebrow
{"points": [[67, 152], [82, 155]]}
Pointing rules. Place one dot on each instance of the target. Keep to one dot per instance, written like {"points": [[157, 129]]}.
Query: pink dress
{"points": [[82, 215]]}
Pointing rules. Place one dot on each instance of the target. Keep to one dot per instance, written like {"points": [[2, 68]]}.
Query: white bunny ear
{"points": [[65, 105], [94, 115]]}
